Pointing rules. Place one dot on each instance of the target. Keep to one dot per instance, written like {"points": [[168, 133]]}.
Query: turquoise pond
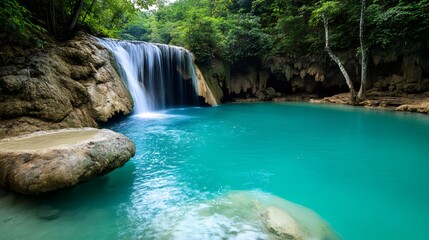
{"points": [[203, 173]]}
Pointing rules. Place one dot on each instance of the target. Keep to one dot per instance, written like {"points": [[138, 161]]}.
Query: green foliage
{"points": [[343, 18], [16, 22], [328, 8], [292, 32], [398, 23], [136, 28], [241, 6], [63, 18], [207, 28], [108, 17], [234, 30], [200, 37], [245, 39], [144, 4], [390, 24]]}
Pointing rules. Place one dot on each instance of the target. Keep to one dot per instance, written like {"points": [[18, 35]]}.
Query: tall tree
{"points": [[363, 50], [61, 17], [338, 61], [354, 98]]}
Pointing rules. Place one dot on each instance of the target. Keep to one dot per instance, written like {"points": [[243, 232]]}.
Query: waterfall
{"points": [[158, 76]]}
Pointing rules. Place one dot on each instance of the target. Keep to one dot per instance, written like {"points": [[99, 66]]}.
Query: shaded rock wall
{"points": [[227, 82], [204, 90], [71, 84], [395, 74], [410, 74]]}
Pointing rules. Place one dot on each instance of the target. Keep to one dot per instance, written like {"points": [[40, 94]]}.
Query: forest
{"points": [[231, 30]]}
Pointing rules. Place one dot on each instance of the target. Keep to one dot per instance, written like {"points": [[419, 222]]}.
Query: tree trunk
{"points": [[364, 63], [338, 61], [70, 29], [75, 15], [51, 23]]}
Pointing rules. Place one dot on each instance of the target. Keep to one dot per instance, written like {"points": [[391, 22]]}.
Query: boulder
{"points": [[243, 215], [48, 160], [267, 94], [282, 224]]}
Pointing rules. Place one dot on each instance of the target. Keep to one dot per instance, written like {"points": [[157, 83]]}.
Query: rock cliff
{"points": [[389, 74], [71, 84]]}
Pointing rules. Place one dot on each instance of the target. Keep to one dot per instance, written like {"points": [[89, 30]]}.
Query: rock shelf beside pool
{"points": [[49, 160]]}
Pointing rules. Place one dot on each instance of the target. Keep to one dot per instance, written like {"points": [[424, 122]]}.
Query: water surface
{"points": [[363, 171]]}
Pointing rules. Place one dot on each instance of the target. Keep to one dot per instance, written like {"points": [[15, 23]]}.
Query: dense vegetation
{"points": [[232, 30], [240, 29], [25, 20]]}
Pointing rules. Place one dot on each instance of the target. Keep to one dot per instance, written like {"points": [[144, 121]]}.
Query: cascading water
{"points": [[158, 76]]}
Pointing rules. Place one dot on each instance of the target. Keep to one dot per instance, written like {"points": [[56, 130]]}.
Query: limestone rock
{"points": [[216, 76], [267, 94], [389, 101], [263, 79], [243, 215], [391, 73], [71, 84], [417, 106], [204, 90], [282, 224], [412, 70], [245, 82], [49, 160]]}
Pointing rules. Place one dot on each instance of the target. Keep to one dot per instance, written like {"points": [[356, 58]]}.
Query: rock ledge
{"points": [[49, 160]]}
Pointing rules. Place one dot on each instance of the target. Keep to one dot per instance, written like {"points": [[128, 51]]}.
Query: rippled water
{"points": [[202, 173]]}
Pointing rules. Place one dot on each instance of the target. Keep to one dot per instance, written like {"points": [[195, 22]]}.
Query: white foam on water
{"points": [[154, 115]]}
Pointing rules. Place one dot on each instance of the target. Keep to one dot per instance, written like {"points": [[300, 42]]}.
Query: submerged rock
{"points": [[50, 160], [48, 213], [243, 215], [282, 224]]}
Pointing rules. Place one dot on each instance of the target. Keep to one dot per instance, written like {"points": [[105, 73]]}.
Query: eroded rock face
{"points": [[72, 84], [388, 73], [204, 90], [49, 160]]}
